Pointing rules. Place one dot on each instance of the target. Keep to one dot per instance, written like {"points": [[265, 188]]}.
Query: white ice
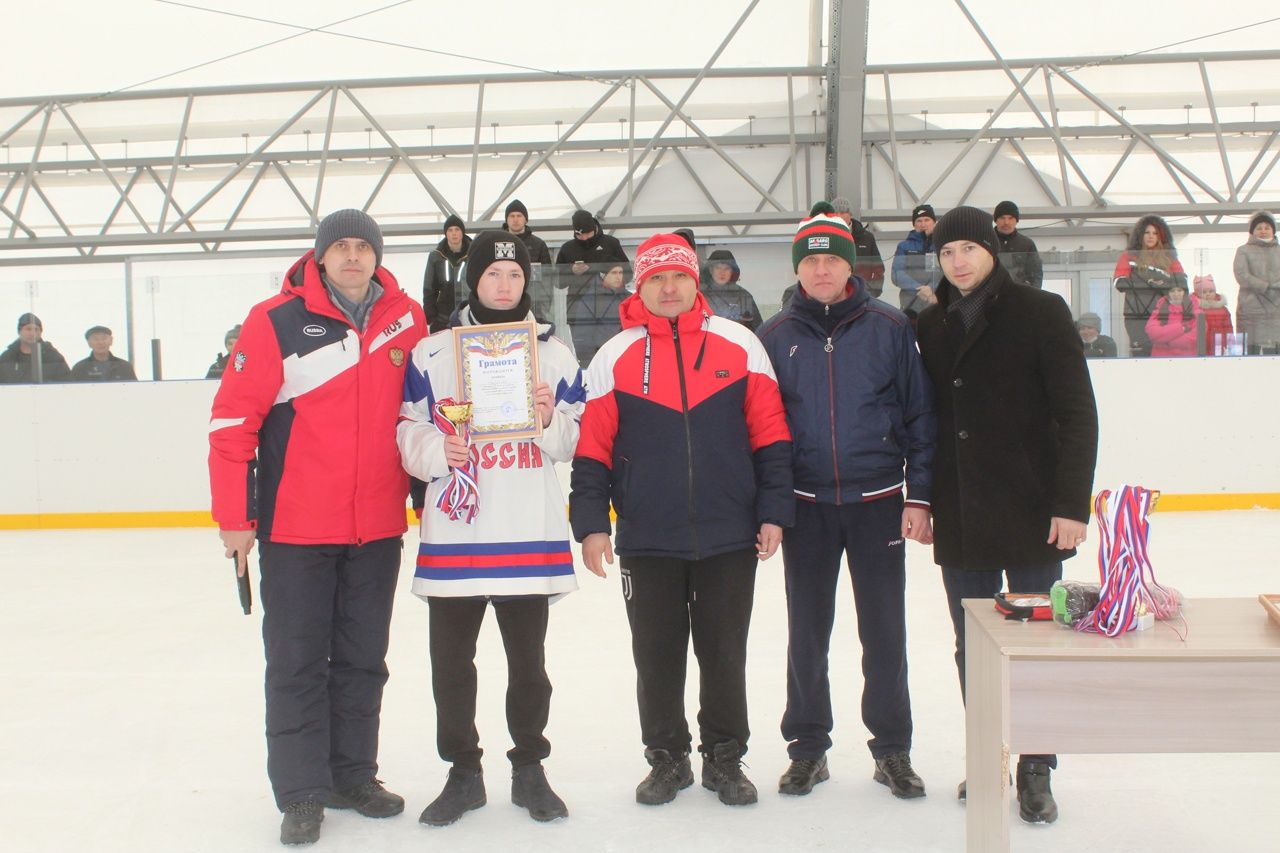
{"points": [[132, 719]]}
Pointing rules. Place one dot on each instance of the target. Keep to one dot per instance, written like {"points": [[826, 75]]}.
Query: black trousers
{"points": [[870, 536], [455, 625], [326, 616], [667, 600], [961, 584]]}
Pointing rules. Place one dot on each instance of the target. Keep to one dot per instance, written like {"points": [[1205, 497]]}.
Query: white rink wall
{"points": [[1185, 426]]}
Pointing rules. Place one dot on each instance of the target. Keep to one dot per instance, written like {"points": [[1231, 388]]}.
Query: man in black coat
{"points": [[1018, 252], [590, 251], [443, 281], [29, 351], [1017, 439], [101, 365]]}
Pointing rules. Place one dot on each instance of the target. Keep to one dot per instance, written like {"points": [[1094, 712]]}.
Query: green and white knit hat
{"points": [[822, 235]]}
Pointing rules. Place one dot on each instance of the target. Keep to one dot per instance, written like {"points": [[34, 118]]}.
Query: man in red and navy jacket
{"points": [[860, 408], [303, 458], [684, 434]]}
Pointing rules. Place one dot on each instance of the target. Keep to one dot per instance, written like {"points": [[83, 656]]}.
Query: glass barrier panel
{"points": [[66, 311]]}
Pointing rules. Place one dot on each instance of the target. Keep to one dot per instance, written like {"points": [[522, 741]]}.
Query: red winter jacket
{"points": [[685, 435], [302, 441]]}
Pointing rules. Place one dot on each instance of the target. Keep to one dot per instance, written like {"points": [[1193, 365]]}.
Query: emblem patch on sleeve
{"points": [[397, 356], [241, 358]]}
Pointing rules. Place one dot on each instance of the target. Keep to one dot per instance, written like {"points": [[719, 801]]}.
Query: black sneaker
{"points": [[463, 791], [301, 824], [670, 775], [802, 775], [1035, 799], [895, 771], [530, 790], [722, 773], [368, 798]]}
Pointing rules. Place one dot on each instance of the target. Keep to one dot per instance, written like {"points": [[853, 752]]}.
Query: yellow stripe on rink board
{"points": [[201, 518], [1212, 502], [98, 520]]}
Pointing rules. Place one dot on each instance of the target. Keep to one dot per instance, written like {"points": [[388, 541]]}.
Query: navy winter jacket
{"points": [[858, 401]]}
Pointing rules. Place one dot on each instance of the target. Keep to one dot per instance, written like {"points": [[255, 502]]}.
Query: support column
{"points": [[846, 100]]}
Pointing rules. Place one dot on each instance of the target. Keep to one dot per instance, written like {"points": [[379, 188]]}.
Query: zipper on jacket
{"points": [[688, 437], [831, 399]]}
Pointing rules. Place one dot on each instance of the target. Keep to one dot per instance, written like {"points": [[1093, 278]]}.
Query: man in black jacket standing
{"points": [[1017, 440], [1018, 253], [443, 281], [588, 252]]}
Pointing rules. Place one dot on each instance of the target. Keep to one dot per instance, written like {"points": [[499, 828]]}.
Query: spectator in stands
{"points": [[1172, 325], [588, 252], [870, 266], [220, 362], [1217, 318], [101, 365], [594, 318], [688, 236], [726, 297], [17, 364], [518, 224], [1145, 272], [1257, 269], [442, 282], [1096, 344], [1018, 253], [538, 286], [915, 265]]}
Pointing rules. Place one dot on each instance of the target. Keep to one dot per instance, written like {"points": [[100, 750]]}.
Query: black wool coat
{"points": [[1017, 426]]}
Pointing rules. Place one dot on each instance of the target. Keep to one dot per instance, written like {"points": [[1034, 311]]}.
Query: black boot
{"points": [[463, 791], [530, 790], [1035, 799], [722, 773], [802, 775], [895, 771], [368, 798], [670, 775], [301, 824]]}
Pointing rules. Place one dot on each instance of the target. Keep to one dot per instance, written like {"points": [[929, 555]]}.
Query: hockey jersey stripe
{"points": [[468, 548], [490, 572], [492, 560]]}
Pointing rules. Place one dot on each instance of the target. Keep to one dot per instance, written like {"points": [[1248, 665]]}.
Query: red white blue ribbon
{"points": [[1129, 584], [460, 499]]}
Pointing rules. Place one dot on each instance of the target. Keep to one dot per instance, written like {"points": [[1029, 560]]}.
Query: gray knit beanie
{"points": [[348, 223]]}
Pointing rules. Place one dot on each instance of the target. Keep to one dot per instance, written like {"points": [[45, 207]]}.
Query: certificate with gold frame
{"points": [[497, 372]]}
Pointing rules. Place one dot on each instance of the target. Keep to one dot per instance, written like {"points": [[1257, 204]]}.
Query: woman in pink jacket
{"points": [[1172, 325]]}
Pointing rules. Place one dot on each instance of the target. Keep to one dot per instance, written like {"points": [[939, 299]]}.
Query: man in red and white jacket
{"points": [[303, 458], [685, 435]]}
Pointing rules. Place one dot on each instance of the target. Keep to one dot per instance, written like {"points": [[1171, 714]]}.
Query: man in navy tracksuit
{"points": [[859, 406]]}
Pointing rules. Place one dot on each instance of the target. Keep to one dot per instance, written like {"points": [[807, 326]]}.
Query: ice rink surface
{"points": [[132, 719]]}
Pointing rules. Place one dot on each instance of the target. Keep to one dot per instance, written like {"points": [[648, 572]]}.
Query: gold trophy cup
{"points": [[456, 413]]}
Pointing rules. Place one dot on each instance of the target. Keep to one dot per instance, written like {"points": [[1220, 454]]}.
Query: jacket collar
{"points": [[303, 281], [634, 313]]}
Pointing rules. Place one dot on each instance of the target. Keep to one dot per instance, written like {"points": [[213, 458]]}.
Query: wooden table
{"points": [[1039, 688]]}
